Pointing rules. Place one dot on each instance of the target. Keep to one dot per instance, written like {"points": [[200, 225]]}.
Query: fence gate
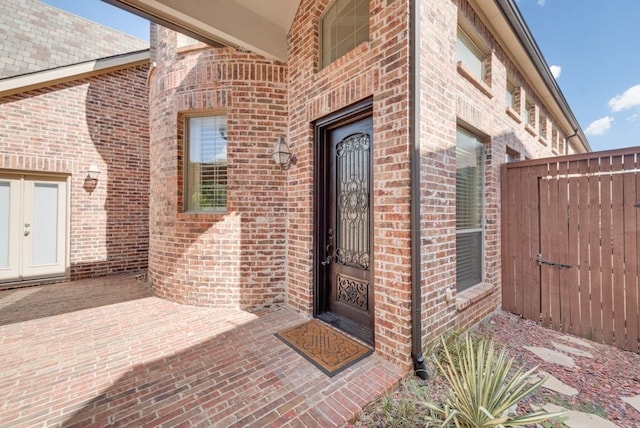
{"points": [[571, 244]]}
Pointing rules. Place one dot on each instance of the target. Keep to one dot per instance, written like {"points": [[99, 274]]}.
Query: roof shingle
{"points": [[35, 36]]}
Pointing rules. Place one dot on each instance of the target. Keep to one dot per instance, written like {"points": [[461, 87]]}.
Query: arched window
{"points": [[344, 26]]}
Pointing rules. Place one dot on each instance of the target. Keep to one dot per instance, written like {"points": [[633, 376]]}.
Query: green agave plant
{"points": [[481, 390]]}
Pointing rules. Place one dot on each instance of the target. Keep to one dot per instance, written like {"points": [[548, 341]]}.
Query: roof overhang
{"points": [[53, 76], [256, 25], [508, 26], [261, 26]]}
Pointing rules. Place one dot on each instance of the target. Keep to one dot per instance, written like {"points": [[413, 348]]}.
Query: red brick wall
{"points": [[100, 120], [377, 69], [261, 251], [244, 257], [448, 98], [236, 258]]}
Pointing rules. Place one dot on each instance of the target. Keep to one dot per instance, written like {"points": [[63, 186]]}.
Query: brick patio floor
{"points": [[106, 352]]}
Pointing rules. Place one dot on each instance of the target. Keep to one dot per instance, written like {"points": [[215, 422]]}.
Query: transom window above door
{"points": [[344, 26]]}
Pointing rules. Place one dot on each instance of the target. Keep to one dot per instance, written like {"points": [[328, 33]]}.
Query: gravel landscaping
{"points": [[601, 374]]}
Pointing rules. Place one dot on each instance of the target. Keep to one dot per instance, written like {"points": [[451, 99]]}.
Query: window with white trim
{"points": [[511, 155], [206, 163], [530, 114], [469, 209], [344, 26], [542, 126], [471, 57]]}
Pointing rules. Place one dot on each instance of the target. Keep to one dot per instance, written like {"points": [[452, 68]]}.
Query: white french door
{"points": [[33, 218]]}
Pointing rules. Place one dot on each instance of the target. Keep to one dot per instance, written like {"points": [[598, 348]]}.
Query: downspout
{"points": [[416, 254]]}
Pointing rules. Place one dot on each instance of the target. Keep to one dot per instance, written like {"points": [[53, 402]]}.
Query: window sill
{"points": [[466, 73], [202, 215], [473, 295], [514, 114], [530, 129]]}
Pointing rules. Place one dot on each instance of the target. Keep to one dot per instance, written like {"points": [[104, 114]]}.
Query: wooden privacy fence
{"points": [[571, 244]]}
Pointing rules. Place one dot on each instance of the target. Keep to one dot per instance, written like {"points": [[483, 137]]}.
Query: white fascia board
{"points": [[224, 22]]}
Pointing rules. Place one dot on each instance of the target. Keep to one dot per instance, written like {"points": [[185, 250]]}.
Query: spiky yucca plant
{"points": [[481, 391]]}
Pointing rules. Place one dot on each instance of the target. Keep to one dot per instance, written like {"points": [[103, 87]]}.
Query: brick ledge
{"points": [[479, 84], [473, 295]]}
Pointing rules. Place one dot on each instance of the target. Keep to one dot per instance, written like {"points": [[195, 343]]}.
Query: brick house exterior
{"points": [[266, 248], [65, 105], [400, 100]]}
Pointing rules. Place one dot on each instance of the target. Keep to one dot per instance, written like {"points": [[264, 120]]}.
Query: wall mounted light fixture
{"points": [[93, 172], [91, 178], [282, 154]]}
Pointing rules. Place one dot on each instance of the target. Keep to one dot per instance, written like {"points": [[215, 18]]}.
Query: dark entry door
{"points": [[345, 289]]}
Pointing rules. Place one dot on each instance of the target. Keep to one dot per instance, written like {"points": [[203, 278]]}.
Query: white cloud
{"points": [[541, 2], [599, 126], [628, 99], [556, 70]]}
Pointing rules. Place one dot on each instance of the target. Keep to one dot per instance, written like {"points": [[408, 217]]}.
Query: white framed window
{"points": [[530, 114], [471, 57], [205, 165], [511, 155], [512, 98], [343, 26], [542, 126], [469, 210]]}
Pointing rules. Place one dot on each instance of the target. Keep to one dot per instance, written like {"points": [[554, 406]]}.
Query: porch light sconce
{"points": [[93, 173], [282, 154]]}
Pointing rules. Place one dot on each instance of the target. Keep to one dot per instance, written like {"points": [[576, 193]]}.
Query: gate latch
{"points": [[540, 262]]}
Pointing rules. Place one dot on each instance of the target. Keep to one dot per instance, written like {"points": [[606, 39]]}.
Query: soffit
{"points": [[256, 25]]}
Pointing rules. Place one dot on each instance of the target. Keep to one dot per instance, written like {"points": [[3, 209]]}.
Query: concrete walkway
{"points": [[105, 352]]}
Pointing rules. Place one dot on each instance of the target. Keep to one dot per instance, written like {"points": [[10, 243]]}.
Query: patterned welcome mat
{"points": [[327, 348]]}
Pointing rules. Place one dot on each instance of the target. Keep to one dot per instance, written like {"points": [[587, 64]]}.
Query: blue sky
{"points": [[105, 14], [594, 44], [590, 44]]}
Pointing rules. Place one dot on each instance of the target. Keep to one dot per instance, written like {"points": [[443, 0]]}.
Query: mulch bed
{"points": [[601, 381]]}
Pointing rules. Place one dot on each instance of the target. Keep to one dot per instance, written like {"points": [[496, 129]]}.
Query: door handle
{"points": [[26, 232], [328, 248]]}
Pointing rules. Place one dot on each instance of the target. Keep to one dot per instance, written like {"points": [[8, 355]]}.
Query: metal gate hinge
{"points": [[540, 262]]}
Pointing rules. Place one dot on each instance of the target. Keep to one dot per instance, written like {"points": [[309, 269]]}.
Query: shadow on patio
{"points": [[24, 304], [147, 361]]}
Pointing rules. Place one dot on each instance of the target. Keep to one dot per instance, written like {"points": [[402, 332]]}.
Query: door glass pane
{"points": [[44, 229], [5, 188], [352, 195]]}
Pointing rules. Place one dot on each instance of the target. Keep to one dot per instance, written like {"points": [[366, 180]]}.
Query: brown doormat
{"points": [[327, 348]]}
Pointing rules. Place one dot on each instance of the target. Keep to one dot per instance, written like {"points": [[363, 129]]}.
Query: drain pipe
{"points": [[414, 138]]}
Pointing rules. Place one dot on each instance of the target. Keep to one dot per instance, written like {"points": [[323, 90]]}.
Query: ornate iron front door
{"points": [[346, 233]]}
